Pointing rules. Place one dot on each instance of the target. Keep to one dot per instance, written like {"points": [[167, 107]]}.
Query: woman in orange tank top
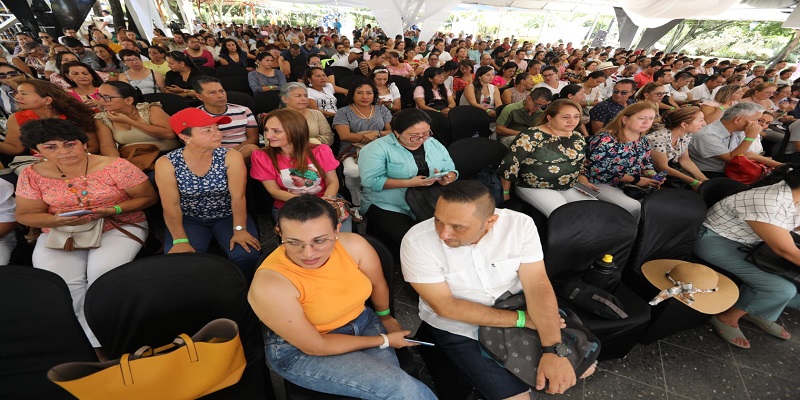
{"points": [[310, 293]]}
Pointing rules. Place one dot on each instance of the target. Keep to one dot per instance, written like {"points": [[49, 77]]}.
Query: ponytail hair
{"points": [[789, 173]]}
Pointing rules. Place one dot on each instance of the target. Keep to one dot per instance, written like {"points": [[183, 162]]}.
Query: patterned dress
{"points": [[204, 196], [539, 160], [609, 159]]}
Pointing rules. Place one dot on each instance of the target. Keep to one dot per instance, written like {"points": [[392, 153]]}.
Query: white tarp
{"points": [[145, 16]]}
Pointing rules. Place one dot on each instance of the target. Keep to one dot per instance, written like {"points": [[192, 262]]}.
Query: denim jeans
{"points": [[487, 376], [366, 374], [763, 294], [200, 231]]}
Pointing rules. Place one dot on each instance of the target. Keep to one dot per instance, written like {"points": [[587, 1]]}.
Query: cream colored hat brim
{"points": [[706, 303]]}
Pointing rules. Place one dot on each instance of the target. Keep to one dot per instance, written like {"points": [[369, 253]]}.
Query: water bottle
{"points": [[603, 273]]}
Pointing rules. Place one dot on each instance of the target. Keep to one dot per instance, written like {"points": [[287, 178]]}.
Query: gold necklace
{"points": [[362, 116]]}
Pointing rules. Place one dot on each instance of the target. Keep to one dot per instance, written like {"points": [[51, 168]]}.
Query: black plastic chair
{"points": [[779, 153], [171, 103], [242, 99], [236, 83], [266, 101], [347, 82], [230, 70], [457, 95], [340, 72], [407, 363], [38, 330], [341, 100], [579, 233], [468, 121], [472, 155], [716, 189], [152, 300], [440, 127], [406, 89], [668, 229], [206, 70]]}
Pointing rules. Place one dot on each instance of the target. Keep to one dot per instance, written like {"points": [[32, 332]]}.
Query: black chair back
{"points": [[341, 100], [242, 99], [779, 154], [406, 89], [716, 189], [458, 95], [266, 101], [668, 228], [347, 81], [152, 300], [206, 70], [38, 330], [340, 72], [468, 121], [230, 70], [236, 83], [440, 127], [171, 103], [579, 233], [472, 155]]}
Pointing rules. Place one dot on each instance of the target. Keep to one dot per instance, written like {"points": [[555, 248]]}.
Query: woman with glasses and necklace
{"points": [[407, 157], [126, 122], [310, 293], [202, 188], [139, 76]]}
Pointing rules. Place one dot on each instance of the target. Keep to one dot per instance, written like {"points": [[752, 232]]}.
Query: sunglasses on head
{"points": [[9, 74]]}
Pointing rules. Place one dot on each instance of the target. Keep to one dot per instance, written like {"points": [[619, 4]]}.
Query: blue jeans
{"points": [[199, 231], [366, 374], [487, 376], [763, 294]]}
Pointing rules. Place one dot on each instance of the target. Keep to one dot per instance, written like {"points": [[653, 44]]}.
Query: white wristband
{"points": [[385, 344]]}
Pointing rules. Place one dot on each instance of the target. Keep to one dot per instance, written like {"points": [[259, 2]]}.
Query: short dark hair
{"points": [[626, 82], [158, 49], [361, 82], [127, 53], [70, 41], [197, 85], [469, 192], [597, 74], [407, 118], [450, 66], [542, 93], [683, 75], [307, 207], [660, 73], [38, 131]]}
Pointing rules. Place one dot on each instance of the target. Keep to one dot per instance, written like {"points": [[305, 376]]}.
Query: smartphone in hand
{"points": [[439, 175], [585, 189], [76, 213]]}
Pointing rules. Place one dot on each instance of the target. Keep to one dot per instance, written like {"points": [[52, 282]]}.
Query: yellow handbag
{"points": [[187, 368]]}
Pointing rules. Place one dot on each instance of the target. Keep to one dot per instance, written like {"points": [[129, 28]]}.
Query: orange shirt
{"points": [[331, 295]]}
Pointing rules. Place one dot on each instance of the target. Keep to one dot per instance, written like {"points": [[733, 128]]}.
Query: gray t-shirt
{"points": [[346, 116], [711, 141], [794, 136]]}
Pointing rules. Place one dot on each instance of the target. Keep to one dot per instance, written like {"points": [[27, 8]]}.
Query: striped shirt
{"points": [[235, 132]]}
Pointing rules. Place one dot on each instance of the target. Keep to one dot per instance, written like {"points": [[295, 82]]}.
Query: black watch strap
{"points": [[636, 179], [558, 349]]}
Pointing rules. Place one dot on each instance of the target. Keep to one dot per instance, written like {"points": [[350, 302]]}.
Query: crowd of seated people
{"points": [[573, 119]]}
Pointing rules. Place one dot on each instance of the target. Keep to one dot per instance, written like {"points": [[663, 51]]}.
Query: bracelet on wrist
{"points": [[520, 319], [183, 240], [384, 312], [118, 210], [749, 139], [506, 192], [694, 183]]}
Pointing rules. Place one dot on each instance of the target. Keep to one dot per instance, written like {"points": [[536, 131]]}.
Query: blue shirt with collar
{"points": [[386, 158]]}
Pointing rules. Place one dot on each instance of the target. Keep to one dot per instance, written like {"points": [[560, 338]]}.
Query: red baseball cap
{"points": [[194, 118]]}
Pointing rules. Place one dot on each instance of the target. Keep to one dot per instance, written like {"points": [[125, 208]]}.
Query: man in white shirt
{"points": [[108, 22], [460, 262], [708, 89], [349, 60]]}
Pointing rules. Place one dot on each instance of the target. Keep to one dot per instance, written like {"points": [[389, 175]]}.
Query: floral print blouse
{"points": [[539, 160], [609, 160], [661, 141]]}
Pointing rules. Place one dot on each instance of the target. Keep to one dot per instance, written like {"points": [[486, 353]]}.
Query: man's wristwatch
{"points": [[559, 349], [238, 228]]}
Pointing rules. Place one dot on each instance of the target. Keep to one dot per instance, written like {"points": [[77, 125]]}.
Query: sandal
{"points": [[728, 333], [771, 327]]}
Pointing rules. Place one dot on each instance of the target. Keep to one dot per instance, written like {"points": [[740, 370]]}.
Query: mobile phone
{"points": [[660, 176], [439, 175], [76, 213], [419, 342], [585, 189]]}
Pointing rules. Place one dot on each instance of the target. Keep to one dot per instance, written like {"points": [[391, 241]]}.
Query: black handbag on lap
{"points": [[763, 257]]}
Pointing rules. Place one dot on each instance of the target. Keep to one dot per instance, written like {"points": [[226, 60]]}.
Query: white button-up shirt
{"points": [[480, 273]]}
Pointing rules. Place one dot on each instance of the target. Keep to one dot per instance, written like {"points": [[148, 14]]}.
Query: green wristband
{"points": [[506, 192], [520, 319], [118, 209], [384, 312], [749, 139], [694, 183], [184, 240]]}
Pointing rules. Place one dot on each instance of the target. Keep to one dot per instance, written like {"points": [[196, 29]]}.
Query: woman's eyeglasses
{"points": [[420, 136], [106, 97], [320, 244]]}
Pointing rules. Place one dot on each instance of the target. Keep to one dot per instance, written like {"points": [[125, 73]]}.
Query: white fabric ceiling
{"points": [[393, 14]]}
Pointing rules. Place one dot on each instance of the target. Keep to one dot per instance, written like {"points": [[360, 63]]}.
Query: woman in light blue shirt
{"points": [[407, 158]]}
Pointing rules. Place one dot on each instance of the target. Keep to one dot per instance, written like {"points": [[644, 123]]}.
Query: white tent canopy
{"points": [[395, 16]]}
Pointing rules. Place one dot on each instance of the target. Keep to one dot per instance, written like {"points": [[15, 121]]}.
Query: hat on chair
{"points": [[695, 285]]}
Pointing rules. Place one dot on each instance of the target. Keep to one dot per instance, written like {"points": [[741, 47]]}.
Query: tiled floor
{"points": [[694, 364]]}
